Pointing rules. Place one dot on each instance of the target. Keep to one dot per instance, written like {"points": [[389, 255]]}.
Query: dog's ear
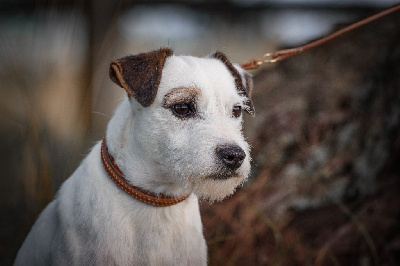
{"points": [[140, 74], [244, 83], [249, 90]]}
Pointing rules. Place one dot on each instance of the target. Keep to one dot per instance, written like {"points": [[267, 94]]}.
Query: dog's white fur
{"points": [[94, 222]]}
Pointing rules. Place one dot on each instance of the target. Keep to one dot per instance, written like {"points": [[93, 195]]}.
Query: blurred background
{"points": [[326, 137]]}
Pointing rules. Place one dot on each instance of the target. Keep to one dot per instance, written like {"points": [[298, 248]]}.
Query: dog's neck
{"points": [[117, 176]]}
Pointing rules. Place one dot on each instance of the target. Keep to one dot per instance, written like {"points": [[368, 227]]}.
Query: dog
{"points": [[174, 140]]}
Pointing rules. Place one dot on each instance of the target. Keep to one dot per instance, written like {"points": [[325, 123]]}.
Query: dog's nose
{"points": [[231, 155]]}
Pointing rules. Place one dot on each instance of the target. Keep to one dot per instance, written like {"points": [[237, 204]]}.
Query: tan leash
{"points": [[287, 53]]}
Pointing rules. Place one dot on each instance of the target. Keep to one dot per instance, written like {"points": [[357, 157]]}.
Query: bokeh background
{"points": [[324, 188]]}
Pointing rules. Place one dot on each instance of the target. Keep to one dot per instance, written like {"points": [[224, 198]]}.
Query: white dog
{"points": [[177, 137]]}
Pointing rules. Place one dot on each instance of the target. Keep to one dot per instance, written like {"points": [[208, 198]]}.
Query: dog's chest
{"points": [[161, 236]]}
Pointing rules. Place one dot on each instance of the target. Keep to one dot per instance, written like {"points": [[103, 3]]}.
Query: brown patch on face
{"points": [[140, 74], [181, 95], [242, 89]]}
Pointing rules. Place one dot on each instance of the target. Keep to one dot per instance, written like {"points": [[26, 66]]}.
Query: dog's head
{"points": [[188, 120]]}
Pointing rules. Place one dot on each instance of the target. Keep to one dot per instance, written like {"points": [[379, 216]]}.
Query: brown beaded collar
{"points": [[117, 176]]}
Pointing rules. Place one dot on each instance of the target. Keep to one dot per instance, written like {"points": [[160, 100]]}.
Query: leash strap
{"points": [[287, 53]]}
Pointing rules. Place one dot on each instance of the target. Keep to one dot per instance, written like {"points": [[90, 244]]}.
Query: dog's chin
{"points": [[216, 187]]}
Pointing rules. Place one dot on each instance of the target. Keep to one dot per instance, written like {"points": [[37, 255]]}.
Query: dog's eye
{"points": [[236, 111], [183, 110]]}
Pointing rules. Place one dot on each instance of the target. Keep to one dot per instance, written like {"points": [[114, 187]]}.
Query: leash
{"points": [[117, 176], [287, 53]]}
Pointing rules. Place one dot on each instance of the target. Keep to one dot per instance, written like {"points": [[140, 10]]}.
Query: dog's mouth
{"points": [[224, 175]]}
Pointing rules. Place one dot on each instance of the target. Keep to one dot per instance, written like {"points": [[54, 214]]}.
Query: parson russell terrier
{"points": [[176, 138]]}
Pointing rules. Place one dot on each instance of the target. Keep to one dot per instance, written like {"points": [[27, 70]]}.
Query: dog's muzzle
{"points": [[232, 156]]}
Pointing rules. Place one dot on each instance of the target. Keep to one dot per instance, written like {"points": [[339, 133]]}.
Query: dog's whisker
{"points": [[101, 114]]}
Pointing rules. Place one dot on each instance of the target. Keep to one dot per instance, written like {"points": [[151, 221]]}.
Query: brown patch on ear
{"points": [[242, 89], [249, 83], [140, 74], [249, 91]]}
